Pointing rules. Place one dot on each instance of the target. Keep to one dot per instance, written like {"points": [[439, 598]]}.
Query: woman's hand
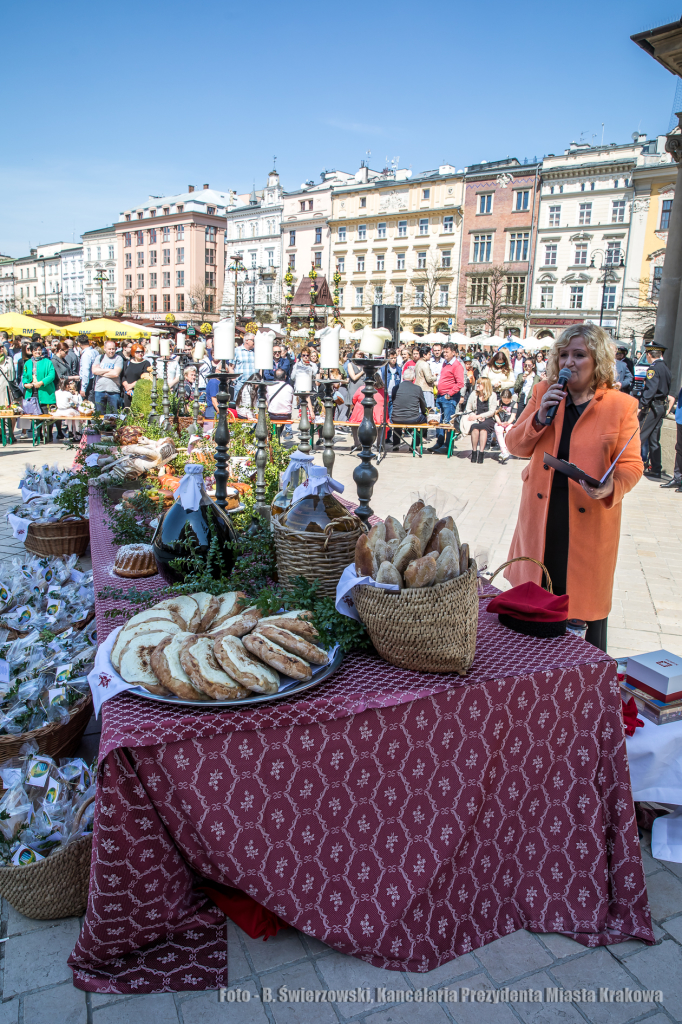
{"points": [[552, 396], [605, 491]]}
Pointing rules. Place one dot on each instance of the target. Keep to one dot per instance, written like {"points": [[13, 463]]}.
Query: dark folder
{"points": [[575, 473]]}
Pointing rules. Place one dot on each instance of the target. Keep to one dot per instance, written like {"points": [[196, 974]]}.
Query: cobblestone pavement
{"points": [[36, 982]]}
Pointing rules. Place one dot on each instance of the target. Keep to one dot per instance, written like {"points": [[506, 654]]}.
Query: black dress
{"points": [[482, 406], [557, 529]]}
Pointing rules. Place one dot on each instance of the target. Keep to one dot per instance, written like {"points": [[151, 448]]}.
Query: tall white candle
{"points": [[262, 345], [199, 351], [154, 345], [371, 344], [179, 341], [165, 346], [304, 381], [223, 340], [329, 349]]}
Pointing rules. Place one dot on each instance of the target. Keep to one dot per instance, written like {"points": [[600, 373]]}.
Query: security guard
{"points": [[652, 406]]}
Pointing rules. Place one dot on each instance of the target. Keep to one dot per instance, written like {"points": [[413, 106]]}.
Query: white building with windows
{"points": [[99, 256], [72, 274], [254, 232], [583, 236], [7, 302]]}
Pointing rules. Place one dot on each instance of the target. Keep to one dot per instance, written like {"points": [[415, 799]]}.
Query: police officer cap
{"points": [[622, 348], [652, 346]]}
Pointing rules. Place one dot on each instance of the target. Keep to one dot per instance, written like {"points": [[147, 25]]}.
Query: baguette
{"points": [[394, 529], [365, 564], [391, 548], [415, 507], [381, 550], [447, 566], [422, 526], [276, 657], [421, 572], [387, 573], [407, 552], [294, 644]]}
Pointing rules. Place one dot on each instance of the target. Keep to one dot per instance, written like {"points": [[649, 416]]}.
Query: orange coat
{"points": [[594, 526]]}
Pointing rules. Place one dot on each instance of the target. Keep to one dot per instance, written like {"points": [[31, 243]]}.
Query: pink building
{"points": [[306, 237]]}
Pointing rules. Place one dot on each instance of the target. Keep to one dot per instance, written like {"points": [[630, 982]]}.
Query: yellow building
{"points": [[397, 239]]}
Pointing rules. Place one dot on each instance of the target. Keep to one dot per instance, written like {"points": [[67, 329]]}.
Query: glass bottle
{"points": [[282, 500], [314, 512]]}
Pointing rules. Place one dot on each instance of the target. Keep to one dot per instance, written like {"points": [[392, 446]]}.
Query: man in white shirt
{"points": [[436, 361], [280, 399], [517, 361]]}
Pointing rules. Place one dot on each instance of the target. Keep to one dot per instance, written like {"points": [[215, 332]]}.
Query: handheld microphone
{"points": [[564, 377]]}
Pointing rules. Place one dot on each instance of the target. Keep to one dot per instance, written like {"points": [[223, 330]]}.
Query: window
{"points": [[129, 280], [152, 257], [448, 225], [580, 254], [209, 257], [554, 216], [359, 293], [550, 255], [254, 258], [423, 225], [585, 213], [166, 234], [129, 299], [140, 303], [140, 280], [139, 237], [292, 238], [381, 230], [342, 233], [592, 186], [615, 184], [582, 186], [340, 296], [445, 257], [209, 233], [152, 280], [360, 263], [518, 246], [516, 290], [152, 304], [180, 208], [576, 296], [443, 295], [547, 297], [426, 193], [292, 260], [400, 265], [268, 293], [617, 211], [656, 282], [483, 245], [111, 252], [378, 294], [180, 255], [210, 279], [318, 259], [165, 253], [111, 275], [179, 278], [402, 229], [421, 261], [165, 279], [152, 236], [302, 202], [479, 291], [666, 207], [341, 264], [180, 301], [128, 262], [419, 295], [362, 231], [610, 296], [271, 257], [522, 200], [399, 295], [363, 203], [140, 259], [166, 303], [485, 203], [318, 236], [613, 253]]}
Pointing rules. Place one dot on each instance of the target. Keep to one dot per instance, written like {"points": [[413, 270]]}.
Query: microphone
{"points": [[564, 377]]}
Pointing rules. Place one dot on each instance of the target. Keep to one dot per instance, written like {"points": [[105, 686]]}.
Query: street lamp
{"points": [[100, 277], [608, 262], [236, 267]]}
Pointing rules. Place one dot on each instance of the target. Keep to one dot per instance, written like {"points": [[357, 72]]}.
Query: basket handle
{"points": [[82, 809], [330, 527], [525, 558]]}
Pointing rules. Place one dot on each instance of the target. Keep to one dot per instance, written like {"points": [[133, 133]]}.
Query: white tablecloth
{"points": [[655, 754]]}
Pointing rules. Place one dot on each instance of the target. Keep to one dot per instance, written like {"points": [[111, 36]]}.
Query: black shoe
{"points": [[474, 456], [653, 476], [678, 490], [395, 447], [672, 483], [437, 448], [481, 456]]}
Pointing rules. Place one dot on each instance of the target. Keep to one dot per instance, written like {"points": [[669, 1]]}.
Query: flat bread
{"points": [[276, 657], [295, 622], [208, 608], [165, 662], [136, 662], [294, 644], [184, 610], [242, 666], [198, 659], [166, 626], [230, 604], [236, 625], [150, 613]]}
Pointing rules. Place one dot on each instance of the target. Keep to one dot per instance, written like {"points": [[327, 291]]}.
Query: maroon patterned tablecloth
{"points": [[401, 817]]}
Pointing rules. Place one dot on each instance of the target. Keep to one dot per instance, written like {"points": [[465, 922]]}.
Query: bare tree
{"points": [[427, 281], [202, 300], [491, 292], [640, 319]]}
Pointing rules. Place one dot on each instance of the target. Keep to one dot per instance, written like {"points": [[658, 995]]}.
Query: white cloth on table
{"points": [[345, 605], [103, 680], [655, 755], [666, 837]]}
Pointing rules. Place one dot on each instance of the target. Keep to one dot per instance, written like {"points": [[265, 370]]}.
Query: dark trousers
{"points": [[678, 454], [398, 434], [650, 435]]}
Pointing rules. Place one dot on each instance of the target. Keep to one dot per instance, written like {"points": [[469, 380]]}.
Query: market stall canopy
{"points": [[460, 339], [437, 338], [24, 326], [139, 327], [511, 346], [105, 328], [302, 333], [407, 336]]}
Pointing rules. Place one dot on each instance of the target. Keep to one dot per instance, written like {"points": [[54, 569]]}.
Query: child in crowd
{"points": [[505, 415], [67, 398]]}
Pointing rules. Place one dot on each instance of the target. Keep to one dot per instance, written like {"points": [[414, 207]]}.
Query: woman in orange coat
{"points": [[571, 527]]}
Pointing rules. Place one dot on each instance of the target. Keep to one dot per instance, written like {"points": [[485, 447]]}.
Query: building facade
{"points": [[99, 260], [7, 301], [38, 280], [500, 208], [73, 277], [306, 234], [253, 231], [396, 239]]}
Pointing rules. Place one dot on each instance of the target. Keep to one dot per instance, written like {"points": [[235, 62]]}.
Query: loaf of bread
{"points": [[234, 658], [422, 526], [387, 573], [377, 533], [421, 572], [381, 554], [295, 621], [463, 558], [415, 507], [208, 609], [135, 662], [230, 604], [183, 610], [237, 625], [294, 644], [407, 552], [447, 523], [198, 659], [447, 539], [276, 657], [364, 558], [165, 662], [447, 566], [394, 529], [391, 548]]}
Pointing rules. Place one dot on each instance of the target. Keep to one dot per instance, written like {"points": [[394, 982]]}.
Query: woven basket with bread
{"points": [[430, 624]]}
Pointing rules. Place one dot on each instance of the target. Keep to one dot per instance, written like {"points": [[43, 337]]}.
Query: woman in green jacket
{"points": [[38, 379]]}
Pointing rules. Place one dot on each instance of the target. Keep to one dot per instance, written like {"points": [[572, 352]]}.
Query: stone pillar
{"points": [[669, 315]]}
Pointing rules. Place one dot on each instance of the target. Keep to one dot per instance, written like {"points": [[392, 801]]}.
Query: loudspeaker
{"points": [[388, 317]]}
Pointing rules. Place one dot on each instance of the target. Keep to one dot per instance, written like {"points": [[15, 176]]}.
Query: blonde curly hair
{"points": [[598, 342]]}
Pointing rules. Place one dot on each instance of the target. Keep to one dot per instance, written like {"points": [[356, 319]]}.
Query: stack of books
{"points": [[655, 681]]}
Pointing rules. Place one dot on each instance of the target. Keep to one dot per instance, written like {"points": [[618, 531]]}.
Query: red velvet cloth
{"points": [[530, 603], [257, 921], [630, 719]]}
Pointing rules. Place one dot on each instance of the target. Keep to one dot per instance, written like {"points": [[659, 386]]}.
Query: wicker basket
{"points": [[319, 557], [430, 629], [67, 537], [56, 739], [54, 887]]}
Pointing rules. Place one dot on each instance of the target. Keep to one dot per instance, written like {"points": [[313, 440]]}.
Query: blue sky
{"points": [[108, 103]]}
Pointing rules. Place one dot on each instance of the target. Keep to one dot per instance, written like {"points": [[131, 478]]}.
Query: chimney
{"points": [[205, 186], [190, 188]]}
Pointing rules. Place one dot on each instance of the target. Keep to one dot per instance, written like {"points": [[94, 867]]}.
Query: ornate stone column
{"points": [[669, 314]]}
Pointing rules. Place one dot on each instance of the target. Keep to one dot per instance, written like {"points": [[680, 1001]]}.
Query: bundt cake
{"points": [[133, 561]]}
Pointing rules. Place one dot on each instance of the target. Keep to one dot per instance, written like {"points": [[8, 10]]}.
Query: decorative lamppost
{"points": [[100, 277], [288, 298], [236, 267], [313, 303], [337, 281]]}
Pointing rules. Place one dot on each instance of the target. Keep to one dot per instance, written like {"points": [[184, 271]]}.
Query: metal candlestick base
{"points": [[222, 433], [304, 425], [328, 454], [366, 474], [153, 418], [164, 419], [262, 449]]}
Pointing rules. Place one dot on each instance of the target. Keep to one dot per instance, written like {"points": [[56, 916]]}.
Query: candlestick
{"points": [[180, 341], [153, 418], [261, 451], [371, 343], [194, 426], [304, 423], [329, 349], [223, 340], [199, 351], [263, 344], [328, 454], [165, 346], [304, 380], [366, 474], [154, 345], [222, 434], [164, 419]]}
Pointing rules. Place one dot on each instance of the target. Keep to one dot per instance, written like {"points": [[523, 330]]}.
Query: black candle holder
{"points": [[261, 433], [366, 474], [153, 418], [328, 432], [164, 419], [304, 423], [222, 433]]}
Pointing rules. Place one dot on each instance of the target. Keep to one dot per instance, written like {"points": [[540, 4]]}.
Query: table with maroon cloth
{"points": [[401, 817]]}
